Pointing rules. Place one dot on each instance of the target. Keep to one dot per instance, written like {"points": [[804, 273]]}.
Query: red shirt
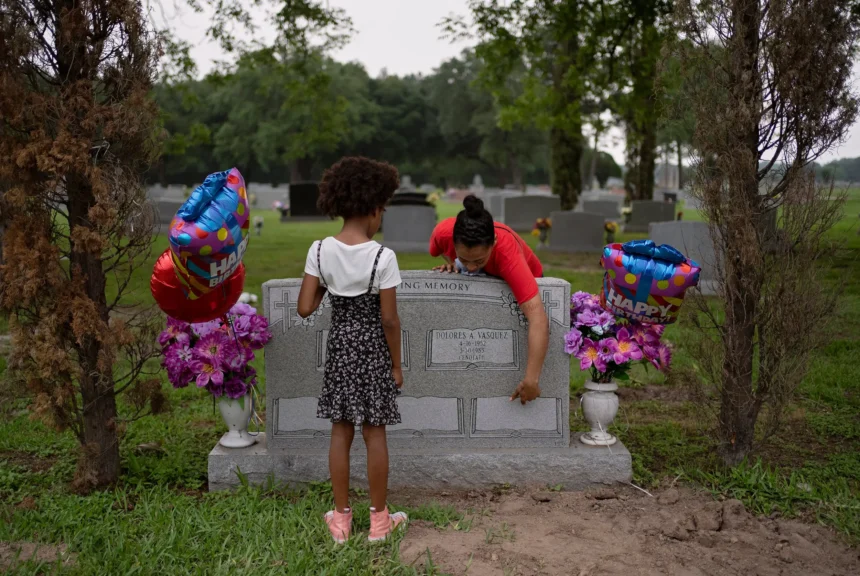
{"points": [[511, 260]]}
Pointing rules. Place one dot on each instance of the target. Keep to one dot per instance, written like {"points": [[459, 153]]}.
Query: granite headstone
{"points": [[577, 232], [520, 213], [464, 351], [303, 202], [693, 239], [645, 212], [609, 209], [408, 227], [167, 209]]}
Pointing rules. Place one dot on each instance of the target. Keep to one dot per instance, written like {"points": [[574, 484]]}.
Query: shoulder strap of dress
{"points": [[375, 264], [319, 262]]}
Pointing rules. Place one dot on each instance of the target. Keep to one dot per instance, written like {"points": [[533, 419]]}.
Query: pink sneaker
{"points": [[382, 524], [339, 524]]}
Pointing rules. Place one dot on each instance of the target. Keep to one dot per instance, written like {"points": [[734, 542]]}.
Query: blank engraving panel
{"points": [[426, 416], [499, 416], [429, 416], [297, 415]]}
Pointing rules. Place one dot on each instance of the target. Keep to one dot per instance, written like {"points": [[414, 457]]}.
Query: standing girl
{"points": [[362, 372]]}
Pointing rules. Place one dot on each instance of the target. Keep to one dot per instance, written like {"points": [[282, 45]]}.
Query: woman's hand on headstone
{"points": [[447, 267], [527, 391]]}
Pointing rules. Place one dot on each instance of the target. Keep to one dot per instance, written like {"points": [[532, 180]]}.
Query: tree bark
{"points": [[680, 165], [100, 440], [301, 170], [566, 175], [592, 172], [647, 158], [740, 402]]}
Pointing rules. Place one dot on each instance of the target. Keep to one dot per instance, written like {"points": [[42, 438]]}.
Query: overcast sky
{"points": [[401, 37]]}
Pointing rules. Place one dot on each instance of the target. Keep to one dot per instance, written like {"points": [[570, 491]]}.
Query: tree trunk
{"points": [[99, 436], [301, 170], [100, 440], [680, 165], [566, 142], [592, 172], [647, 159], [566, 152], [740, 401], [516, 171]]}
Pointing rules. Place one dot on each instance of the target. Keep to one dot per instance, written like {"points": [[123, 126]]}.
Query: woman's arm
{"points": [[529, 388], [391, 326], [310, 296]]}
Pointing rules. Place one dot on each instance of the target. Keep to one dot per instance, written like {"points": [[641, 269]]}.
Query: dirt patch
{"points": [[13, 554], [29, 461], [655, 392], [619, 532]]}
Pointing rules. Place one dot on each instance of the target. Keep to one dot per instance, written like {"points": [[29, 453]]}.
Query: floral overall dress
{"points": [[358, 385]]}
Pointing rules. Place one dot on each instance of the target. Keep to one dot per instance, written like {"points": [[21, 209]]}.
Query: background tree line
{"points": [[442, 128]]}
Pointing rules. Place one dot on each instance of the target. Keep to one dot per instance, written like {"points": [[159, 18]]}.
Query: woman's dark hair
{"points": [[474, 225], [356, 186]]}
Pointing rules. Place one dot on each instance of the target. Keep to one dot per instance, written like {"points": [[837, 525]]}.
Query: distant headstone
{"points": [[609, 209], [494, 201], [577, 232], [303, 202], [644, 212], [464, 352], [413, 198], [167, 209], [693, 239], [406, 182], [408, 227], [521, 212], [428, 188]]}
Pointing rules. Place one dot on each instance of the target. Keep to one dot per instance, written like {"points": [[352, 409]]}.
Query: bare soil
{"points": [[618, 531], [13, 554]]}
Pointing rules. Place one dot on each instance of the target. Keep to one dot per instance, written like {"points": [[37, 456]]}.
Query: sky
{"points": [[401, 37]]}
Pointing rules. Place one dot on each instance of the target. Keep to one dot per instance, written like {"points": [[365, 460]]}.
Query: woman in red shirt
{"points": [[479, 244]]}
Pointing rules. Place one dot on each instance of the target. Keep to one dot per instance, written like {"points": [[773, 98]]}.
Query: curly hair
{"points": [[356, 186]]}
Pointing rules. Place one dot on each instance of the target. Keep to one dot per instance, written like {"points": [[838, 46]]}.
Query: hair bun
{"points": [[474, 206]]}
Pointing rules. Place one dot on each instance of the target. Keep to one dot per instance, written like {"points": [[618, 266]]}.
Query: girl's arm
{"points": [[310, 296], [391, 326]]}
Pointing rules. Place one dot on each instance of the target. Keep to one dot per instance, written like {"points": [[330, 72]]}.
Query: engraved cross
{"points": [[288, 308], [549, 305]]}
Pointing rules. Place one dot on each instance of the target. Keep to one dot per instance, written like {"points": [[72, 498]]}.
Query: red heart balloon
{"points": [[168, 293]]}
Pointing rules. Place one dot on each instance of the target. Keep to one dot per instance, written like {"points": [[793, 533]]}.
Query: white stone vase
{"points": [[237, 416], [599, 406]]}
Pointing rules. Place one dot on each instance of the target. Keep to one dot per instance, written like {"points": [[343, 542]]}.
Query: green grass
{"points": [[161, 520]]}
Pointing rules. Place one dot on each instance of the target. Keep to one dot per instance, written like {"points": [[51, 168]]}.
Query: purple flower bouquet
{"points": [[609, 346], [212, 355]]}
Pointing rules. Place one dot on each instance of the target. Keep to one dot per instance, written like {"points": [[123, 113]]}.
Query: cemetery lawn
{"points": [[161, 520]]}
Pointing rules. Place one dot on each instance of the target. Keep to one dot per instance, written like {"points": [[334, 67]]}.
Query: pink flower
{"points": [[207, 373], [572, 342], [589, 356], [625, 349], [659, 355], [176, 331], [646, 335], [607, 348], [242, 309]]}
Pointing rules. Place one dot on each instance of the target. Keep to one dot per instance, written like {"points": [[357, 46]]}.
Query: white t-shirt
{"points": [[346, 269]]}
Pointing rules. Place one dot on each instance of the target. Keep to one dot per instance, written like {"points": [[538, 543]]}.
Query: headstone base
{"points": [[575, 467], [408, 247], [287, 219]]}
